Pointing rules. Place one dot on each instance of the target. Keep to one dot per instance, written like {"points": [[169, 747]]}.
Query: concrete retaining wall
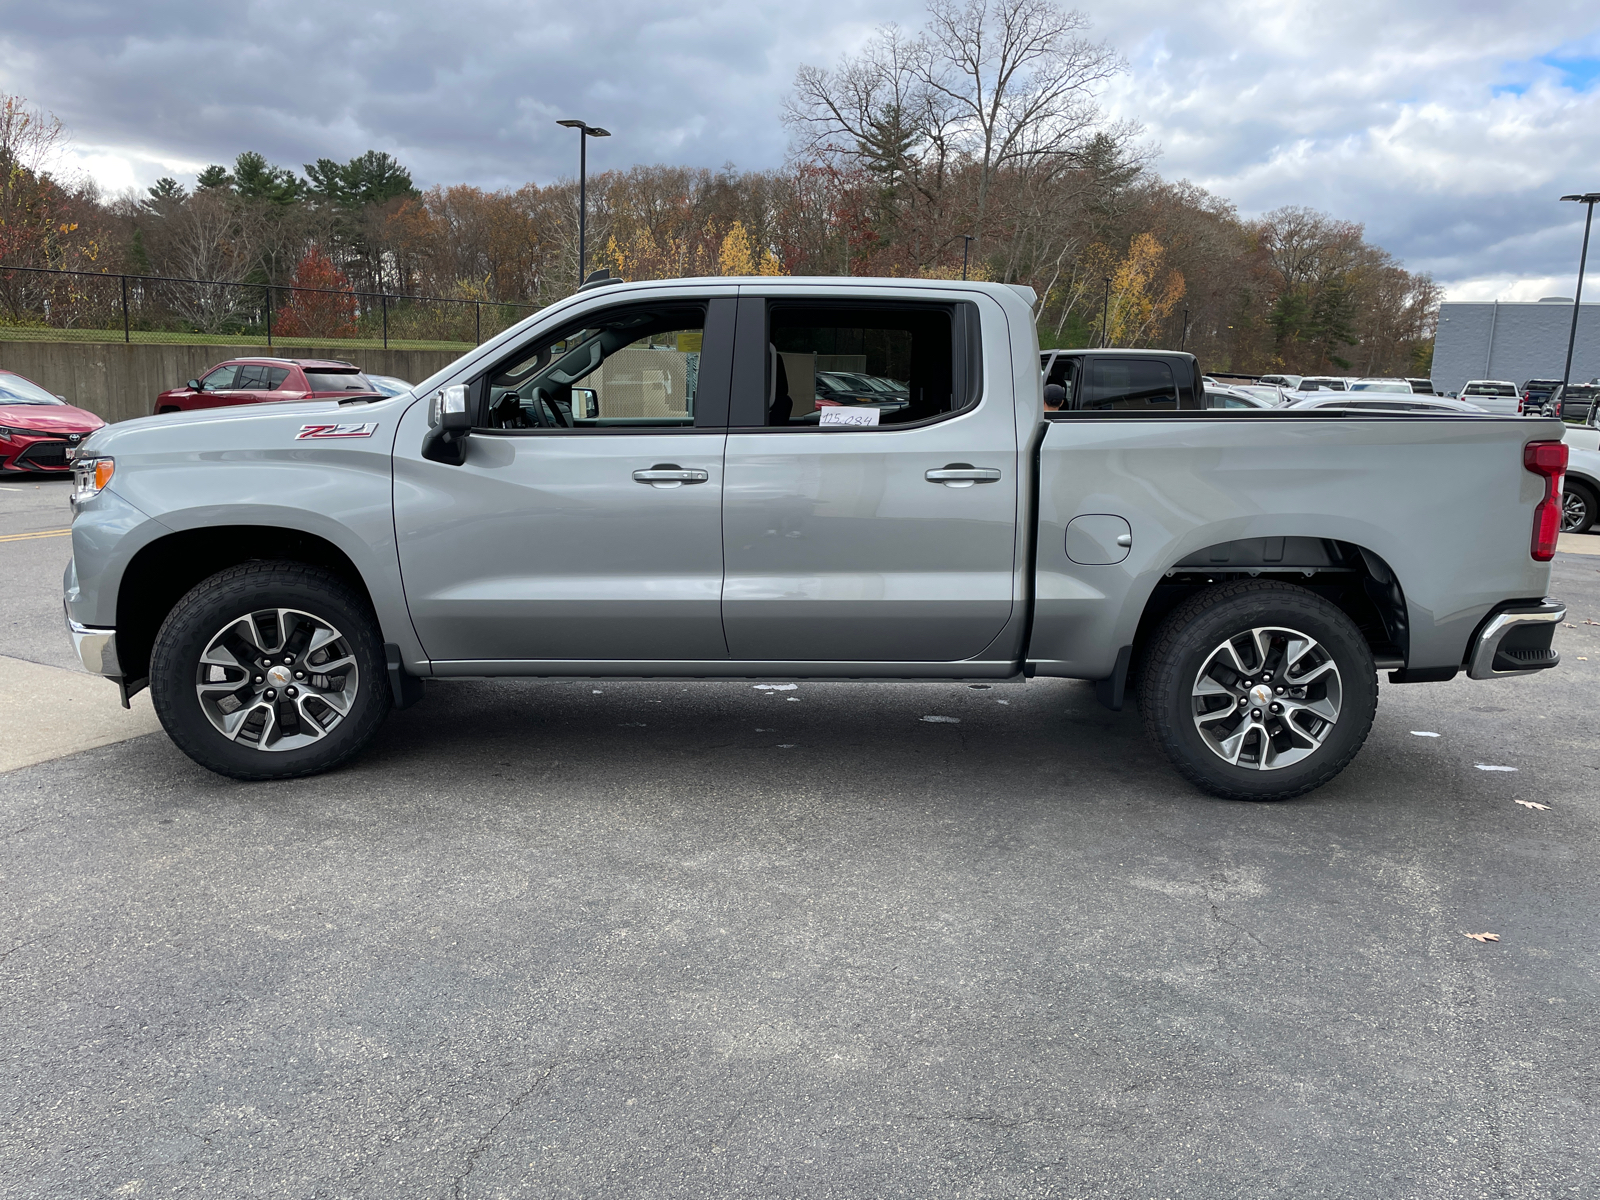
{"points": [[117, 382], [1514, 341]]}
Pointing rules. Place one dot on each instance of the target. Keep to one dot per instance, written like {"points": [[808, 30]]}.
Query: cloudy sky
{"points": [[1448, 128]]}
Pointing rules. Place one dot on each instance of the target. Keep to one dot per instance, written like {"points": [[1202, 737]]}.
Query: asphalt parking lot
{"points": [[654, 940]]}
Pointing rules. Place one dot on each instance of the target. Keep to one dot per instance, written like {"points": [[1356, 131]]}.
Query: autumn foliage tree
{"points": [[326, 310]]}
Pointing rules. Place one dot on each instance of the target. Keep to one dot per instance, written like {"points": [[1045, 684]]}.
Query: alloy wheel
{"points": [[277, 679], [1267, 698]]}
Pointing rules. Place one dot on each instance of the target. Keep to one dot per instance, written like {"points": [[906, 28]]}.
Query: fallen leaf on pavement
{"points": [[1481, 937], [1568, 625], [1586, 621], [1534, 804]]}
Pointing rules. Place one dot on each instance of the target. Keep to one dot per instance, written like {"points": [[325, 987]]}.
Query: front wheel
{"points": [[270, 670], [1258, 690]]}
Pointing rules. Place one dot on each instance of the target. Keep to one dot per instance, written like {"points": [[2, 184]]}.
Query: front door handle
{"points": [[960, 475], [670, 475]]}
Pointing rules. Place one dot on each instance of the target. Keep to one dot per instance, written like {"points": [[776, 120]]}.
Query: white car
{"points": [[1494, 395], [1323, 383], [1580, 489], [1389, 403], [1398, 386], [1223, 396]]}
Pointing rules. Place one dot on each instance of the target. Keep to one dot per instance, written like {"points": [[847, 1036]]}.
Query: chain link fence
{"points": [[39, 304]]}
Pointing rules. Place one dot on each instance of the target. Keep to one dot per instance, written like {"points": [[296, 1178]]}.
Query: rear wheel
{"points": [[1577, 507], [1258, 690], [270, 671]]}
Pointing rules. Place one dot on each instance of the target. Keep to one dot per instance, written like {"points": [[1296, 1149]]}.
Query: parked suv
{"points": [[258, 380]]}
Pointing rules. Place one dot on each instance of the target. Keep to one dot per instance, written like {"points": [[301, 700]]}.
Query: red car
{"points": [[259, 380], [37, 429]]}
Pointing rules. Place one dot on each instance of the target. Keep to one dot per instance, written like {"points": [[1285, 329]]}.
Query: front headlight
{"points": [[89, 475]]}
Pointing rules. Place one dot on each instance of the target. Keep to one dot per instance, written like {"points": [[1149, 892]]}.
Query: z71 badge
{"points": [[317, 432]]}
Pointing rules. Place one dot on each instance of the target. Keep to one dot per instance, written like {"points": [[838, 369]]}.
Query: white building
{"points": [[1515, 341]]}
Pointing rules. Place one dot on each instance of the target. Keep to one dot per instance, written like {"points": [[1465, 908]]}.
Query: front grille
{"points": [[43, 454]]}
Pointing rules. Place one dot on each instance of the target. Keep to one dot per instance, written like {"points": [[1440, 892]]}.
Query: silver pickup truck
{"points": [[646, 481]]}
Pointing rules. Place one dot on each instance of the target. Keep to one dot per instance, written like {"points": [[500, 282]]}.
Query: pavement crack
{"points": [[19, 946], [486, 1139]]}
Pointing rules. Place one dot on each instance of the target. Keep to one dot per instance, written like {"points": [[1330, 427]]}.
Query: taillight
{"points": [[1547, 459]]}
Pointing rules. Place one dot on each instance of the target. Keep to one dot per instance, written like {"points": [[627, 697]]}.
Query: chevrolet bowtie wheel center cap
{"points": [[281, 676], [1261, 694]]}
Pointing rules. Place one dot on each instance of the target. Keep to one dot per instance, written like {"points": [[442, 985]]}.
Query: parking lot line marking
{"points": [[24, 537]]}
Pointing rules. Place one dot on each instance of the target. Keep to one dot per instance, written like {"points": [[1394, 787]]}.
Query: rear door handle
{"points": [[670, 475], [960, 475]]}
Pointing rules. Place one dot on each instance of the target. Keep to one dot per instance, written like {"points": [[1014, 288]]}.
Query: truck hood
{"points": [[246, 427]]}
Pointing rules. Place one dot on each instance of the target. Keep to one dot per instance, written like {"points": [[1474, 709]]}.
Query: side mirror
{"points": [[449, 424], [194, 385], [586, 401]]}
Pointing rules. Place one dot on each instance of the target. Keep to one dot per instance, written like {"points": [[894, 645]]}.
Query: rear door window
{"points": [[258, 377], [857, 365], [1134, 384]]}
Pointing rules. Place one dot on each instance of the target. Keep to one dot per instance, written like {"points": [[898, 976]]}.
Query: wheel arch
{"points": [[162, 572], [1357, 580]]}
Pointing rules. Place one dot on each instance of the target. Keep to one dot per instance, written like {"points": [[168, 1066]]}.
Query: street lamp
{"points": [[1105, 314], [1588, 198], [966, 244], [585, 132]]}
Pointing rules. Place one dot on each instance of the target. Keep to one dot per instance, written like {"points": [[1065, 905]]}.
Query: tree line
{"points": [[976, 143]]}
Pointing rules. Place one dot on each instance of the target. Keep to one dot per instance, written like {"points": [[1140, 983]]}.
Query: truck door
{"points": [[585, 522], [881, 529]]}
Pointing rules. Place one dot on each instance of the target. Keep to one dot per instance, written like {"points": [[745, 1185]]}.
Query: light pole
{"points": [[1588, 198], [1183, 338], [966, 244], [585, 132], [1105, 314]]}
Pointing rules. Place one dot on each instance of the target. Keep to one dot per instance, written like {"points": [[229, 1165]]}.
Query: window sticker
{"points": [[848, 416]]}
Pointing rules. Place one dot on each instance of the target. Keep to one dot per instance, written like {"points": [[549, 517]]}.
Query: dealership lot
{"points": [[711, 940]]}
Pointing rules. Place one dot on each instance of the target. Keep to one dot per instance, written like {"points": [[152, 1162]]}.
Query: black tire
{"points": [[1578, 507], [1189, 642], [231, 596]]}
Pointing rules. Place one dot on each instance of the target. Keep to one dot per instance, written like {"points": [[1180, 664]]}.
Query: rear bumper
{"points": [[1515, 639]]}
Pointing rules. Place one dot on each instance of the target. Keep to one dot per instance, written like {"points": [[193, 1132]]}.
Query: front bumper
{"points": [[45, 455], [97, 649], [1515, 640]]}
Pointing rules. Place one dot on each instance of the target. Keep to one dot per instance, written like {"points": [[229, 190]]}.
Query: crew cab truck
{"points": [[638, 482]]}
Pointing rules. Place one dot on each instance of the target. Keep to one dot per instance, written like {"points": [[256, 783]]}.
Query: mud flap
{"points": [[1111, 692], [407, 688]]}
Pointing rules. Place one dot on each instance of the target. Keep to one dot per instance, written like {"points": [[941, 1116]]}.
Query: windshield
{"points": [[1382, 385], [14, 389], [337, 381], [1490, 389]]}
